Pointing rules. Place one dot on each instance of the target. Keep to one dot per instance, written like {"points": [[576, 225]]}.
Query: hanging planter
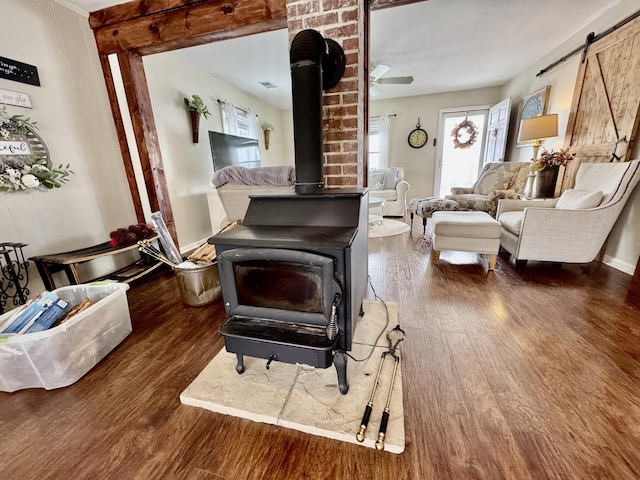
{"points": [[195, 125], [267, 128], [196, 107]]}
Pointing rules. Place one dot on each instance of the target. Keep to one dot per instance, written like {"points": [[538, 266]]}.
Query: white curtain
{"points": [[229, 118], [252, 120], [383, 136]]}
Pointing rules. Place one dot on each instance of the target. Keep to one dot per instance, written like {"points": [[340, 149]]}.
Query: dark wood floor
{"points": [[518, 374]]}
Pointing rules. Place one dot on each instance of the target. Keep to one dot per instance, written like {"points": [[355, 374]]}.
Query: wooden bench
{"points": [[47, 265]]}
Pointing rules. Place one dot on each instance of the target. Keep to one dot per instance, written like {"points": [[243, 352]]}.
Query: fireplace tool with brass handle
{"points": [[394, 337]]}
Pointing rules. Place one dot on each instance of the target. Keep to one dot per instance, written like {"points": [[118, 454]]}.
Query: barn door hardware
{"points": [[591, 38], [615, 147]]}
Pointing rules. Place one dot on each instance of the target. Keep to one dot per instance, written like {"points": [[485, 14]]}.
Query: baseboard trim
{"points": [[613, 262]]}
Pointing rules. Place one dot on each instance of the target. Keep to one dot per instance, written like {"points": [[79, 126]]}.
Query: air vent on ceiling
{"points": [[268, 84]]}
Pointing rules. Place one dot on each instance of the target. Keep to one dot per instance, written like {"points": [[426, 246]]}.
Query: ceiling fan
{"points": [[376, 79]]}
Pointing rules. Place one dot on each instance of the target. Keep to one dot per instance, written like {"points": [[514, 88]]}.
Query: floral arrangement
{"points": [[549, 158], [196, 104], [26, 172], [464, 134], [131, 234], [267, 126]]}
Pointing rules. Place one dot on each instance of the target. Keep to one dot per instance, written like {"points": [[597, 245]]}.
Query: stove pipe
{"points": [[309, 54]]}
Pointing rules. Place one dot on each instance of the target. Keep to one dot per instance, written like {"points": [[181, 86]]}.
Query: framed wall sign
{"points": [[8, 97], [532, 105], [19, 72]]}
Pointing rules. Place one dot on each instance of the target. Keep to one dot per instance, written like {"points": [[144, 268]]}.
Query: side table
{"points": [[375, 209]]}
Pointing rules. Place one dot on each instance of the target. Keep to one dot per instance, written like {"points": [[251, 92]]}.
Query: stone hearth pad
{"points": [[306, 398]]}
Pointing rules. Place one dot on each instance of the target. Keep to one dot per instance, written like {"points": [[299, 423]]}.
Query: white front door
{"points": [[460, 149], [497, 127]]}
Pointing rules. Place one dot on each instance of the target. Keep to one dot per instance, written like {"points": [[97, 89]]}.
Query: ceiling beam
{"points": [[135, 9], [188, 24]]}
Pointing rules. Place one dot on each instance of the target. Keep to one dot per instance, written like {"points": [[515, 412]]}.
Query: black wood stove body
{"points": [[294, 274], [297, 263]]}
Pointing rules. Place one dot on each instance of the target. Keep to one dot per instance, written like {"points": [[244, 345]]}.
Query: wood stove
{"points": [[286, 277], [294, 274]]}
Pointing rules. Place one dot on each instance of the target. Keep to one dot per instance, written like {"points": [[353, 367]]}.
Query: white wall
{"points": [[623, 246], [72, 112], [188, 166], [419, 164]]}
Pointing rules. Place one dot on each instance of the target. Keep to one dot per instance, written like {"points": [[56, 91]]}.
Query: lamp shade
{"points": [[536, 128]]}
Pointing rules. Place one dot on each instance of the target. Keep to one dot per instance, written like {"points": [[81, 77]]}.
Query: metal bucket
{"points": [[198, 286]]}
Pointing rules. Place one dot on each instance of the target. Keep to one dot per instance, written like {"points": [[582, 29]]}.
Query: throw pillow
{"points": [[519, 179], [391, 179], [376, 181], [493, 179], [579, 199], [497, 194]]}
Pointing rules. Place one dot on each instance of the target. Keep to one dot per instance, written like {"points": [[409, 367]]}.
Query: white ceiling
{"points": [[446, 45]]}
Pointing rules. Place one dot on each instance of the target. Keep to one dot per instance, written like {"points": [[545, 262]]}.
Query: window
{"points": [[374, 144], [378, 154], [238, 121], [242, 122]]}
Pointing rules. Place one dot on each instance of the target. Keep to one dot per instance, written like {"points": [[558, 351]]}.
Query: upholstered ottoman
{"points": [[424, 207], [466, 232]]}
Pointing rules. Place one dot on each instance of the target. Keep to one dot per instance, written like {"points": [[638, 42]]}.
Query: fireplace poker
{"points": [[393, 352], [146, 247]]}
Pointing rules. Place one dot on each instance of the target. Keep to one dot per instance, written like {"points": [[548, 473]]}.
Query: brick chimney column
{"points": [[344, 111]]}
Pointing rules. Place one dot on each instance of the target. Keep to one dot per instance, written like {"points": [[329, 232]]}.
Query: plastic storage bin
{"points": [[60, 356]]}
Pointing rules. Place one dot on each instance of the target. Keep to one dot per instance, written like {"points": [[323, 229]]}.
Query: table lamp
{"points": [[538, 128]]}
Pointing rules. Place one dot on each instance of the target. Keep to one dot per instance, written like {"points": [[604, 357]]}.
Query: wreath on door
{"points": [[464, 134]]}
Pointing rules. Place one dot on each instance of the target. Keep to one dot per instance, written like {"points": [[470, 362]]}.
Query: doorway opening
{"points": [[460, 150]]}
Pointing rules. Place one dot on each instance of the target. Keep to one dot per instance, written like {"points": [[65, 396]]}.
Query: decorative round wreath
{"points": [[464, 129]]}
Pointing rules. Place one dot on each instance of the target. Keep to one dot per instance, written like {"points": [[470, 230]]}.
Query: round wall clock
{"points": [[418, 137]]}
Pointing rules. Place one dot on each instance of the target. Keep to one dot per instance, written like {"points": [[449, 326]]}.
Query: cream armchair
{"points": [[574, 227], [389, 183], [496, 181]]}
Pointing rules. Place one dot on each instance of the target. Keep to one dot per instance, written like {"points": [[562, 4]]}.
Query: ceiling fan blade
{"points": [[396, 80], [374, 90], [379, 71]]}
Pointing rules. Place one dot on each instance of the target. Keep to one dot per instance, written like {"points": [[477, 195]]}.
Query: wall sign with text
{"points": [[19, 72], [8, 97], [14, 148]]}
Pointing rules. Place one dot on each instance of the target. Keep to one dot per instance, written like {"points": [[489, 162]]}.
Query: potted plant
{"points": [[546, 171], [267, 128], [196, 107]]}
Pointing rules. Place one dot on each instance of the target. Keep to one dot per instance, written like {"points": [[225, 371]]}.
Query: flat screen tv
{"points": [[231, 150]]}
